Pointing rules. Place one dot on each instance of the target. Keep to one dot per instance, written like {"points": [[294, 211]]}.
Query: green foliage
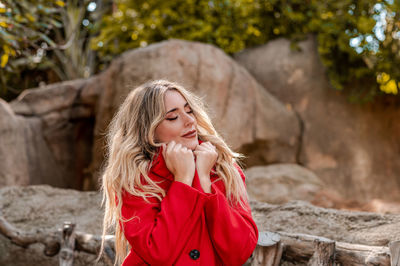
{"points": [[24, 26], [234, 25], [46, 41]]}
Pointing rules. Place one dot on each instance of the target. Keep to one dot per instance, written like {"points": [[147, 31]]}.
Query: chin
{"points": [[191, 144]]}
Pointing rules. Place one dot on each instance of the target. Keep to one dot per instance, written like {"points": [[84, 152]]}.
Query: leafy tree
{"points": [[46, 41], [358, 67], [366, 69], [24, 27]]}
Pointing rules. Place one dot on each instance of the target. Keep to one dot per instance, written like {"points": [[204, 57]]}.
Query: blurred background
{"points": [[307, 90]]}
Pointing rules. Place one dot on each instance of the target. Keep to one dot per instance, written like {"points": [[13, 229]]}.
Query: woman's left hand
{"points": [[206, 157]]}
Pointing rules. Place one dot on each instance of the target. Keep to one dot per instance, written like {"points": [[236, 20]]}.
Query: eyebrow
{"points": [[174, 109]]}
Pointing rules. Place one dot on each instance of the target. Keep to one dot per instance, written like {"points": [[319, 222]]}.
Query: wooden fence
{"points": [[313, 250], [272, 248]]}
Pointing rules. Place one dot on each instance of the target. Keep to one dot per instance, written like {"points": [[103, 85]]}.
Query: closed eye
{"points": [[174, 118]]}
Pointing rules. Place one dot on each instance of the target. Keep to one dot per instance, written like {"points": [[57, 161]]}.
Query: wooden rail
{"points": [[271, 249], [313, 250]]}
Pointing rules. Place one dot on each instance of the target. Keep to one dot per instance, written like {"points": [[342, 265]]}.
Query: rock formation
{"points": [[73, 116], [21, 143], [58, 121], [351, 147], [280, 183], [243, 112]]}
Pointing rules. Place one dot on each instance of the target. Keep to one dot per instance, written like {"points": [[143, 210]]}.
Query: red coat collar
{"points": [[158, 166]]}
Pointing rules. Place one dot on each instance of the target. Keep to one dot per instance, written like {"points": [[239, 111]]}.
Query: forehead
{"points": [[173, 99]]}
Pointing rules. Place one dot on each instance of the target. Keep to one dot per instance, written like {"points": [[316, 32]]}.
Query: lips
{"points": [[190, 134]]}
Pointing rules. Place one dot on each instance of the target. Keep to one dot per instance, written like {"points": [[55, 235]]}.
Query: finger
{"points": [[177, 147], [170, 146], [196, 153], [205, 144], [164, 147], [211, 148], [210, 145], [187, 150], [201, 148], [207, 148]]}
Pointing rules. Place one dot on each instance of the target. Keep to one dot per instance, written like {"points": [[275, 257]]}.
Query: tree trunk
{"points": [[268, 251]]}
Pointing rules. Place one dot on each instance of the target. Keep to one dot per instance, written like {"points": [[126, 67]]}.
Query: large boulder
{"points": [[24, 155], [47, 134], [70, 113], [351, 147], [280, 183], [248, 116]]}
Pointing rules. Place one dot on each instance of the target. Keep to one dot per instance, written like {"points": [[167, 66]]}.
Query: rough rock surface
{"points": [[43, 207], [350, 146], [46, 208], [280, 183], [50, 131], [245, 114], [345, 226], [21, 143]]}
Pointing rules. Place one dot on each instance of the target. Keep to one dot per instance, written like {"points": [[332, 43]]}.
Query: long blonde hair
{"points": [[131, 147]]}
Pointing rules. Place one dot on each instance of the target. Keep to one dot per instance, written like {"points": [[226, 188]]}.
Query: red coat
{"points": [[189, 226]]}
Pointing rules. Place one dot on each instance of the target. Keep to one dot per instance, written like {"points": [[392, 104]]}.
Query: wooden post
{"points": [[268, 251], [394, 249], [324, 254], [300, 248], [66, 257], [86, 243]]}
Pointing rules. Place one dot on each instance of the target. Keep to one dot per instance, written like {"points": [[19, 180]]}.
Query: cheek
{"points": [[166, 132]]}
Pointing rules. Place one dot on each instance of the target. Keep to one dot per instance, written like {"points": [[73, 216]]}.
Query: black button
{"points": [[194, 254]]}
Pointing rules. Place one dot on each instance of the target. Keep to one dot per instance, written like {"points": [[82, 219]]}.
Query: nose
{"points": [[189, 119]]}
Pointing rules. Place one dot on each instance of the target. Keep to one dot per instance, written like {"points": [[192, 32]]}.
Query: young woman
{"points": [[172, 189]]}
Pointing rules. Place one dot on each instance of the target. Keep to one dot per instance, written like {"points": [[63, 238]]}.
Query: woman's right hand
{"points": [[179, 161]]}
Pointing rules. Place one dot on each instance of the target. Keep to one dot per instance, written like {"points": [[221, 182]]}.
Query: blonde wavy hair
{"points": [[131, 147]]}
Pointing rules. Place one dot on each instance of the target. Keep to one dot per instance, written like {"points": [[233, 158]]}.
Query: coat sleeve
{"points": [[232, 229], [158, 231]]}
